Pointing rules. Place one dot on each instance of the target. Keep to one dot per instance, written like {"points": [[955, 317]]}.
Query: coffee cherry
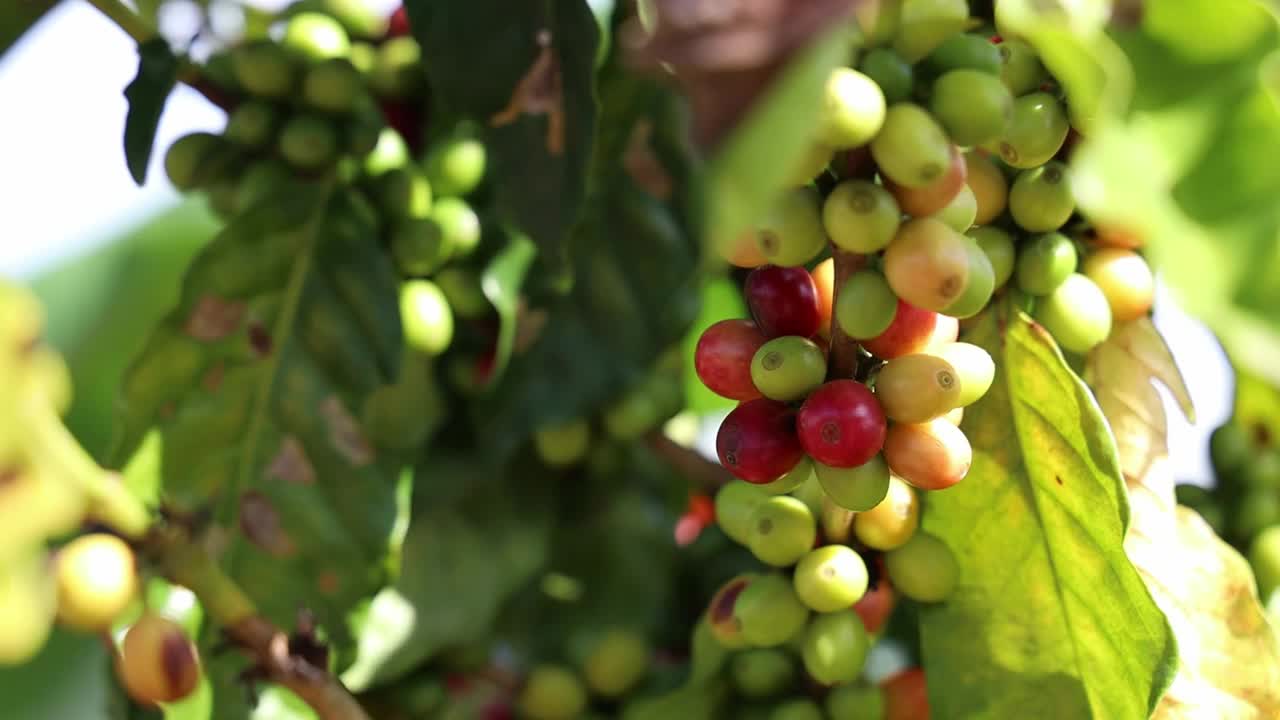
{"points": [[925, 24], [390, 152], [931, 456], [981, 284], [792, 232], [892, 522], [1044, 262], [456, 166], [402, 193], [1124, 278], [964, 51], [890, 72], [1020, 67], [783, 301], [824, 280], [725, 626], [563, 445], [253, 124], [426, 317], [913, 330], [333, 86], [835, 647], [974, 367], [97, 580], [788, 367], [795, 709], [782, 530], [617, 663], [911, 149], [459, 223], [398, 71], [769, 611], [997, 244], [1230, 449], [918, 388], [742, 251], [187, 160], [841, 424], [855, 488], [960, 212], [757, 441], [315, 36], [1264, 557], [866, 305], [924, 569], [419, 246], [308, 142], [927, 264], [860, 216], [856, 702], [1036, 131], [973, 106], [157, 662], [761, 673], [1076, 314], [264, 69], [722, 358], [934, 197], [853, 110], [1041, 198], [735, 505], [989, 186], [552, 692], [830, 578], [362, 129], [1256, 510], [877, 605]]}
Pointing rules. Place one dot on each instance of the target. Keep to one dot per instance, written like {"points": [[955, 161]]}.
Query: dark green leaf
{"points": [[501, 282], [17, 17], [147, 94], [1050, 617], [288, 320]]}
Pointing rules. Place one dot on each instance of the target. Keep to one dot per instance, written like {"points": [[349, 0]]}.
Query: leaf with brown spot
{"points": [[345, 433], [539, 92], [291, 464], [1229, 655], [214, 318]]}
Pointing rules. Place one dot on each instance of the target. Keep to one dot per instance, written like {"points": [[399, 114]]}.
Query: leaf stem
{"points": [[704, 474], [844, 355]]}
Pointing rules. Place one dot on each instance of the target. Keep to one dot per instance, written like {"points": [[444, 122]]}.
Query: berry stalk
{"points": [[844, 355]]}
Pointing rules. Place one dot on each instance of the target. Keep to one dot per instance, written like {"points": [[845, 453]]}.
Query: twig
{"points": [[187, 564], [701, 472], [844, 355]]}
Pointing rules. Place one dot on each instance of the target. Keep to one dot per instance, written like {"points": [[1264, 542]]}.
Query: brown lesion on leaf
{"points": [[539, 92], [328, 582], [212, 379], [260, 339], [9, 475], [530, 323], [214, 318], [291, 463], [724, 53], [344, 432], [643, 165], [260, 523], [1057, 479]]}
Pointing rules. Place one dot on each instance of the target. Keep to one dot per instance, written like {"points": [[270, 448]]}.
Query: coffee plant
{"points": [[666, 359]]}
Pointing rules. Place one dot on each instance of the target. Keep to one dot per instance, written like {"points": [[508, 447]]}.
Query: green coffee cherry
{"points": [[925, 24], [333, 85], [617, 663], [979, 287], [1044, 262], [865, 305], [890, 72], [398, 70], [563, 445], [797, 709], [762, 673], [788, 368], [857, 488], [794, 478], [633, 415], [973, 106], [1076, 314], [860, 216], [781, 531], [265, 69], [830, 578], [309, 142], [362, 130], [911, 149], [960, 213], [425, 315], [459, 223], [1264, 471], [924, 569], [419, 246], [1036, 131], [253, 124], [1264, 556], [552, 692], [853, 110], [456, 166], [462, 287], [974, 367], [1230, 449], [998, 246], [359, 17], [855, 702], [835, 647], [1256, 510], [220, 70], [1020, 68], [965, 51], [792, 233], [389, 152], [187, 162], [769, 611], [315, 36], [363, 57], [402, 194], [1040, 199]]}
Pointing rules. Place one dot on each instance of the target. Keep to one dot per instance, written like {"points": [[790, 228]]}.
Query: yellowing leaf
{"points": [[1229, 658]]}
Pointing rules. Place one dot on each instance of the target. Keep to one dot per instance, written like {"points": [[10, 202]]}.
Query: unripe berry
{"points": [[97, 579]]}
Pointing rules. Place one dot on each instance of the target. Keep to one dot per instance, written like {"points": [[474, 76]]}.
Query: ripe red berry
{"points": [[757, 441], [722, 358], [876, 605], [913, 330], [783, 300], [841, 424], [906, 696], [398, 23]]}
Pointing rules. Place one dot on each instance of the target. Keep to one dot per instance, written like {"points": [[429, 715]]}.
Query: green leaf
{"points": [[64, 680], [16, 18], [755, 163], [147, 94], [287, 321], [473, 539], [1050, 618], [501, 283], [540, 148]]}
